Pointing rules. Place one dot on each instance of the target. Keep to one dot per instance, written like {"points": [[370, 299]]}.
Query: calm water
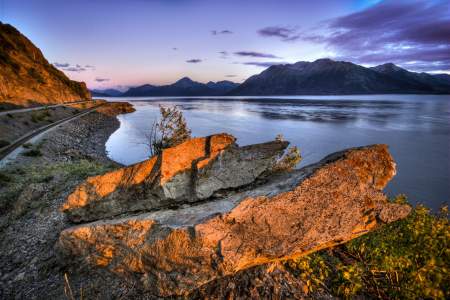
{"points": [[416, 128]]}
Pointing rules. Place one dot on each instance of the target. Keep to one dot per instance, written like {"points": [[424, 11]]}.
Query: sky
{"points": [[118, 44]]}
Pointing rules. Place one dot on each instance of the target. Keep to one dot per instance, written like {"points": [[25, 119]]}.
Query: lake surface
{"points": [[416, 128]]}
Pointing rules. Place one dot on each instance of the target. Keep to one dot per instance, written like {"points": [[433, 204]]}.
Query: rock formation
{"points": [[187, 173], [26, 77], [175, 251]]}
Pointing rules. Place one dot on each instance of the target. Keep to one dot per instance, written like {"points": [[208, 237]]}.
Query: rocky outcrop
{"points": [[175, 251], [27, 78], [189, 172]]}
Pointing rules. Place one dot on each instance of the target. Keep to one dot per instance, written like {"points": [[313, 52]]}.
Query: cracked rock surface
{"points": [[189, 172], [176, 251]]}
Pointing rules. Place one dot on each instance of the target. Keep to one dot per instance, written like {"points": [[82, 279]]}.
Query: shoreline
{"points": [[33, 189]]}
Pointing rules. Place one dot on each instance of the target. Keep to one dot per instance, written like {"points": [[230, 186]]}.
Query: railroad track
{"points": [[19, 110], [25, 138]]}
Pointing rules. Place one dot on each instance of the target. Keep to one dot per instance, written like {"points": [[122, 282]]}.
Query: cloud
{"points": [[217, 32], [61, 65], [224, 54], [101, 79], [194, 61], [230, 76], [264, 64], [174, 48], [284, 33], [255, 54], [415, 34], [73, 68]]}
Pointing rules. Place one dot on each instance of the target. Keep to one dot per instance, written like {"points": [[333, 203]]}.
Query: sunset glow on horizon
{"points": [[117, 44]]}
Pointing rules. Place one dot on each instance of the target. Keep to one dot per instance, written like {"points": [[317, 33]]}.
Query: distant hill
{"points": [[106, 93], [27, 78], [183, 87], [325, 76]]}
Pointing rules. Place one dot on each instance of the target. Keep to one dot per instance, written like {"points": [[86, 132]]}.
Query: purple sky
{"points": [[112, 43]]}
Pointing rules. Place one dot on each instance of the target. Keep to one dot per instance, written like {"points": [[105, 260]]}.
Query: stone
{"points": [[189, 172], [176, 251]]}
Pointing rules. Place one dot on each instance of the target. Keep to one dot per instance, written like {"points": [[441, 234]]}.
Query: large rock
{"points": [[189, 172], [175, 251]]}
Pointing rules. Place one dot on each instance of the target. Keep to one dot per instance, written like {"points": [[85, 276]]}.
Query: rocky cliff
{"points": [[176, 250], [27, 78]]}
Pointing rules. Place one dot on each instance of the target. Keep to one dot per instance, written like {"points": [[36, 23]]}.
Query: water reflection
{"points": [[415, 127]]}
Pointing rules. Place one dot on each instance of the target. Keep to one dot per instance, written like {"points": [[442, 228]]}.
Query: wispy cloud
{"points": [[415, 34], [255, 54], [73, 68], [262, 64], [102, 79], [174, 48], [217, 32], [61, 65], [230, 76], [286, 34], [194, 61], [224, 54]]}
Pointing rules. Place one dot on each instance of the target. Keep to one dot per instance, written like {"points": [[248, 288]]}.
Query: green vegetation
{"points": [[32, 72], [32, 153], [14, 181], [4, 143], [408, 259], [40, 115], [289, 160]]}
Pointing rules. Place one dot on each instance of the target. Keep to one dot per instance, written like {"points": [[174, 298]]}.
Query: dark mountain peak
{"points": [[324, 61], [184, 82], [300, 65], [388, 67]]}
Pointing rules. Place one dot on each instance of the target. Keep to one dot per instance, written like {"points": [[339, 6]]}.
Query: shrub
{"points": [[39, 116], [4, 143], [408, 259], [32, 153], [32, 72], [169, 131], [289, 160]]}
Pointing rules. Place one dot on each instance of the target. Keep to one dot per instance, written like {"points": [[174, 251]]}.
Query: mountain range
{"points": [[326, 76], [321, 77], [183, 87]]}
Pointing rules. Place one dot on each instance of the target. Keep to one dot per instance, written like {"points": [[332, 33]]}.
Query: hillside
{"points": [[27, 78], [325, 76]]}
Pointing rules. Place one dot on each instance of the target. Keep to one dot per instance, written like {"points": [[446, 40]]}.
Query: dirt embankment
{"points": [[32, 189]]}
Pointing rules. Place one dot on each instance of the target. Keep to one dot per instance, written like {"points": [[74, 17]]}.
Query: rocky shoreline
{"points": [[32, 190], [232, 230]]}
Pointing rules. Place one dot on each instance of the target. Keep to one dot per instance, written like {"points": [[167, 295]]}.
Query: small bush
{"points": [[4, 178], [27, 145], [169, 131], [289, 160], [32, 72], [33, 153], [4, 143], [10, 116], [39, 116]]}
